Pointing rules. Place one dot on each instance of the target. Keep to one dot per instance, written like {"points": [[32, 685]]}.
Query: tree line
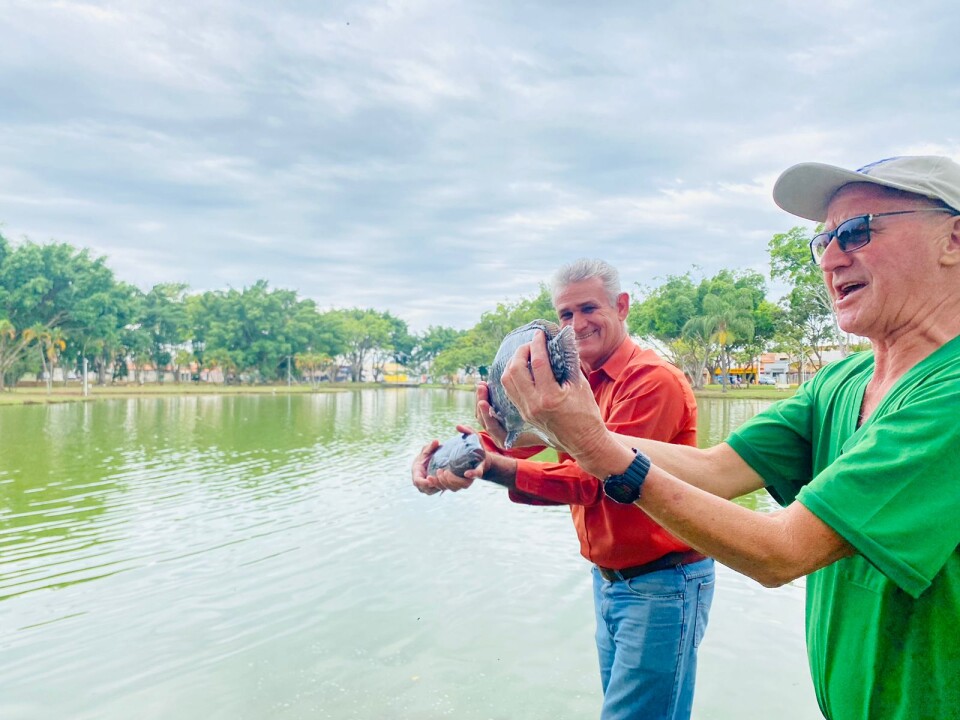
{"points": [[59, 307]]}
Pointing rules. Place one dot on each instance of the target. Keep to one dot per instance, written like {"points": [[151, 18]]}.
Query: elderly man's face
{"points": [[598, 325], [884, 288]]}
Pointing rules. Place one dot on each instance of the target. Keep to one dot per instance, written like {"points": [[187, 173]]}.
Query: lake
{"points": [[267, 557]]}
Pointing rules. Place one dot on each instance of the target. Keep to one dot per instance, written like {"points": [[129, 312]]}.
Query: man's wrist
{"points": [[604, 456], [502, 471], [625, 487]]}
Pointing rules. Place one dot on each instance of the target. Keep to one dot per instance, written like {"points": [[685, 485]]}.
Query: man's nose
{"points": [[833, 257]]}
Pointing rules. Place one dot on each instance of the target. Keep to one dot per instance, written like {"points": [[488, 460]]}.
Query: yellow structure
{"points": [[394, 373]]}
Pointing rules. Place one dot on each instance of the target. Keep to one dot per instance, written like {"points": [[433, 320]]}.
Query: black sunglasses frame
{"points": [[850, 238]]}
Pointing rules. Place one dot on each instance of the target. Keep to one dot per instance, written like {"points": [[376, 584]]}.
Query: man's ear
{"points": [[623, 305], [950, 254]]}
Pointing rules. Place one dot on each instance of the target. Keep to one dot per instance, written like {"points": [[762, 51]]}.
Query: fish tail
{"points": [[564, 358]]}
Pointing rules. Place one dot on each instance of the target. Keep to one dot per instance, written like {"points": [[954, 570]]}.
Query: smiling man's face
{"points": [[598, 325]]}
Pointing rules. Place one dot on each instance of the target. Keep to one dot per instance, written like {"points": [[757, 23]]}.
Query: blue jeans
{"points": [[648, 632]]}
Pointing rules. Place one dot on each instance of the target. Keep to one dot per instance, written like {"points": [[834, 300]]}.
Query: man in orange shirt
{"points": [[652, 593]]}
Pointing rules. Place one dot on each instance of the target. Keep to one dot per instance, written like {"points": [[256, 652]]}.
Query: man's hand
{"points": [[568, 413], [444, 479], [487, 417], [427, 484]]}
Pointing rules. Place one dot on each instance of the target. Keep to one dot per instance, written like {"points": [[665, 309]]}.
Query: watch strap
{"points": [[625, 487]]}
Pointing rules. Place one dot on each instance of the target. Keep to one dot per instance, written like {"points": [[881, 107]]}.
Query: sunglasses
{"points": [[854, 233]]}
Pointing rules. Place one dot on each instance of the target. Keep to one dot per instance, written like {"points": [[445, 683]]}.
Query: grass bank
{"points": [[747, 392]]}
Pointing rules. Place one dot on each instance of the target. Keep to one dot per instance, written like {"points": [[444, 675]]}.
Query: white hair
{"points": [[586, 269]]}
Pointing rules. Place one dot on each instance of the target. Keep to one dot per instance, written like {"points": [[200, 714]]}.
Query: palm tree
{"points": [[50, 343], [12, 346], [696, 346], [8, 334], [727, 319]]}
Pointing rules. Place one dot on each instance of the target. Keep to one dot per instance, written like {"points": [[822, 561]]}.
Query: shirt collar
{"points": [[616, 363]]}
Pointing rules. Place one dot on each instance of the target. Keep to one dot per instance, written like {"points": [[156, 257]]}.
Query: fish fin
{"points": [[542, 435], [511, 439], [564, 358], [550, 328]]}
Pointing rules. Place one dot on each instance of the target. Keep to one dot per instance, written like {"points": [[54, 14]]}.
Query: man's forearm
{"points": [[772, 548], [718, 470]]}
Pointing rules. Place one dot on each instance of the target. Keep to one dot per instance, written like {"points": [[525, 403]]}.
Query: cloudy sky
{"points": [[436, 157]]}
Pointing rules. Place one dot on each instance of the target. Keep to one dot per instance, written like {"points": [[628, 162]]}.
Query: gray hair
{"points": [[586, 269]]}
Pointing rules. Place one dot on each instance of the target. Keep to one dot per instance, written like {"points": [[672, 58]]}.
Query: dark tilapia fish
{"points": [[457, 455], [564, 361]]}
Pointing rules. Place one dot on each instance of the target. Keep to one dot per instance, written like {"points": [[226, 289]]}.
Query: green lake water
{"points": [[267, 557]]}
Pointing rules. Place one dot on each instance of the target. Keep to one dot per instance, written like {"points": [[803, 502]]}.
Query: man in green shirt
{"points": [[865, 457]]}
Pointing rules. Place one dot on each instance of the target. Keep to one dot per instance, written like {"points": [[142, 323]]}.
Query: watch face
{"points": [[621, 491]]}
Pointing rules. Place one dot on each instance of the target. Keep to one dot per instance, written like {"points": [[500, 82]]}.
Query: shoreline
{"points": [[21, 396]]}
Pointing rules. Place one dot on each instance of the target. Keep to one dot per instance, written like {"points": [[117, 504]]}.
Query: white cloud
{"points": [[434, 158]]}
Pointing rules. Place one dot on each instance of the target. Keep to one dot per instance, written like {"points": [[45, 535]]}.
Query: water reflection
{"points": [[265, 556]]}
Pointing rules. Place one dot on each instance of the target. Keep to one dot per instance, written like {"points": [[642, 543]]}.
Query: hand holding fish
{"points": [[565, 411], [562, 360], [487, 416], [423, 482], [459, 461], [453, 466], [463, 462]]}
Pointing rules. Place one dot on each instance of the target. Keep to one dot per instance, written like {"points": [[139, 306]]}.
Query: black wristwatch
{"points": [[625, 488]]}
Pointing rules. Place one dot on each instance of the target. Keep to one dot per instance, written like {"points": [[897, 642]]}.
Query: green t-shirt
{"points": [[883, 626]]}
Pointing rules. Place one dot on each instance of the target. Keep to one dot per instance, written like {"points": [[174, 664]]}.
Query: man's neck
{"points": [[894, 356], [589, 367]]}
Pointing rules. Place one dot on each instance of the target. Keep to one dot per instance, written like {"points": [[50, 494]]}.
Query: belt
{"points": [[661, 563]]}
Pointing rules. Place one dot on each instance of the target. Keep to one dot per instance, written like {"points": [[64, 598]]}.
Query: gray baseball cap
{"points": [[806, 189]]}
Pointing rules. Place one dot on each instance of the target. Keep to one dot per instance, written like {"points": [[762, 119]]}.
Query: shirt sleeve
{"points": [[522, 453], [894, 492], [649, 402], [776, 443]]}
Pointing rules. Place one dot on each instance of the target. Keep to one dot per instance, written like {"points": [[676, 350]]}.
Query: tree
{"points": [[365, 331], [52, 285], [256, 330], [469, 352], [728, 320], [50, 344], [476, 349], [12, 346], [663, 311], [328, 335], [165, 321], [431, 343], [98, 322], [807, 304], [701, 325], [314, 365], [136, 346], [695, 347], [662, 317], [399, 346]]}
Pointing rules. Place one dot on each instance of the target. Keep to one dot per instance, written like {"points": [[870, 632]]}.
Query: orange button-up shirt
{"points": [[639, 394]]}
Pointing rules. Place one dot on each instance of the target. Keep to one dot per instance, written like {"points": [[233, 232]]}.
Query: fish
{"points": [[457, 455], [564, 361]]}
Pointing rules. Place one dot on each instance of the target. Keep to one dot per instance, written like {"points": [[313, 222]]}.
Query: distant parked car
{"points": [[766, 380]]}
